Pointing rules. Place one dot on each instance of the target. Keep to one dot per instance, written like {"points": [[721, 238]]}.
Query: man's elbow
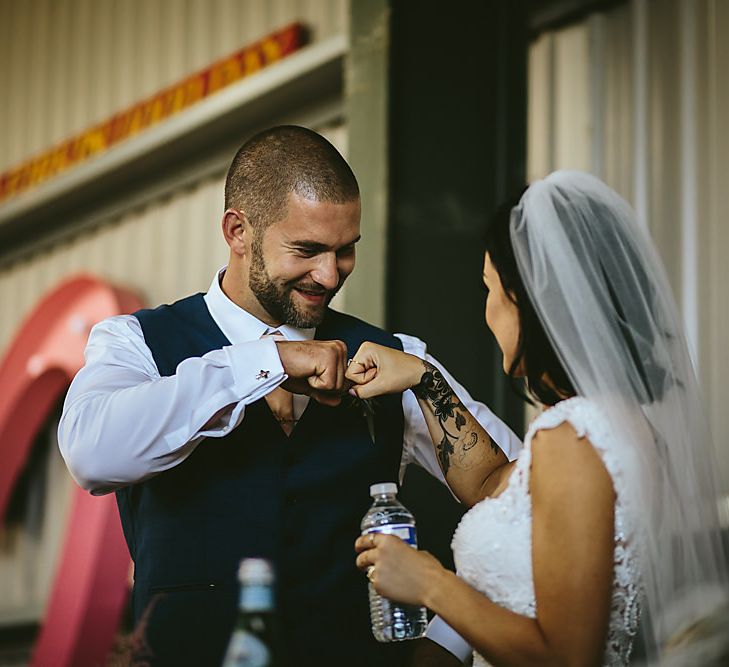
{"points": [[83, 466], [86, 475]]}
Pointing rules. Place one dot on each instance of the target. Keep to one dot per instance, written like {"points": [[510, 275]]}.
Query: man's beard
{"points": [[277, 299]]}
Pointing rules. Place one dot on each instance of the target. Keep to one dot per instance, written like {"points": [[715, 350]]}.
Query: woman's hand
{"points": [[377, 370], [400, 572]]}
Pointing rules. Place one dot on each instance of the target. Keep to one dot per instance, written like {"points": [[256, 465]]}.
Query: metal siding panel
{"points": [[202, 40], [123, 71], [716, 321], [7, 322], [148, 45], [70, 64], [168, 252], [11, 305], [79, 73], [217, 251], [102, 83], [618, 86], [228, 24], [196, 222], [17, 99], [37, 77], [200, 224], [59, 116], [5, 78], [281, 12], [140, 254], [539, 111], [26, 289], [28, 557], [59, 492], [572, 102], [116, 248], [177, 27]]}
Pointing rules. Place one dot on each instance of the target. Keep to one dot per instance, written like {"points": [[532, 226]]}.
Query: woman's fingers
{"points": [[395, 569], [368, 370], [378, 370], [369, 389], [357, 372], [364, 364], [370, 541], [363, 370], [366, 559]]}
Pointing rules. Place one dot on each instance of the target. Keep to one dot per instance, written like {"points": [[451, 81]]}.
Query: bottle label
{"points": [[256, 598], [246, 649], [404, 531]]}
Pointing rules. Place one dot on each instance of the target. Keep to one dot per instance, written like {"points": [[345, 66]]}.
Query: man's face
{"points": [[299, 263]]}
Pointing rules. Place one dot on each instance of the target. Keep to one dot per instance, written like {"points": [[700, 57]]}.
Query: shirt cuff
{"points": [[444, 635], [256, 367]]}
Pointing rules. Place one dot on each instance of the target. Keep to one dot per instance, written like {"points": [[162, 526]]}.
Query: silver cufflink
{"points": [[263, 375]]}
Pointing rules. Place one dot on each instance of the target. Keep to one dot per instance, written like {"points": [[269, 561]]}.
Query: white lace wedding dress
{"points": [[492, 545]]}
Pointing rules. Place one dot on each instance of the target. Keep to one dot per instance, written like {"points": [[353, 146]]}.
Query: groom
{"points": [[199, 415]]}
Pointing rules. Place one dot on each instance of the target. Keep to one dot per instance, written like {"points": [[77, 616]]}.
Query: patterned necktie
{"points": [[281, 402]]}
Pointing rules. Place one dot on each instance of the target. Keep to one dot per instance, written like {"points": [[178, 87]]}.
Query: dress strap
{"points": [[588, 421]]}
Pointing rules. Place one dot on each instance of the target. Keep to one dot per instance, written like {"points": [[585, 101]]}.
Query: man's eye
{"points": [[306, 253]]}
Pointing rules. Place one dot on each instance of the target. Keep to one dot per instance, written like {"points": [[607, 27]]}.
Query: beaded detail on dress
{"points": [[493, 542]]}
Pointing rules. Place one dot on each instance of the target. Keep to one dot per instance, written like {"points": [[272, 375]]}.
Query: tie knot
{"points": [[274, 334]]}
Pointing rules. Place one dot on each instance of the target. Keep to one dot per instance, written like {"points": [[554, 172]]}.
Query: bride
{"points": [[609, 514]]}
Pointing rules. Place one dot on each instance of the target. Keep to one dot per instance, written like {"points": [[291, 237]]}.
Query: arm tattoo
{"points": [[434, 389]]}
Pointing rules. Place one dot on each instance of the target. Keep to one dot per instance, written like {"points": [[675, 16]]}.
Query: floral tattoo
{"points": [[434, 389]]}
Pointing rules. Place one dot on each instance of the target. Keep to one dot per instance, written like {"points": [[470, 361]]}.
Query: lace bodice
{"points": [[492, 544]]}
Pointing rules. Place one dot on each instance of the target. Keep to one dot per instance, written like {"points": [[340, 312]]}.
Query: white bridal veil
{"points": [[600, 290]]}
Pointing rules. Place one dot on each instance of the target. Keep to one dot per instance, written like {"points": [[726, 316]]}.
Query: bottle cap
{"points": [[383, 488], [255, 570]]}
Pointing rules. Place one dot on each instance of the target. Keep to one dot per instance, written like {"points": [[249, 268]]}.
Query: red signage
{"points": [[151, 111]]}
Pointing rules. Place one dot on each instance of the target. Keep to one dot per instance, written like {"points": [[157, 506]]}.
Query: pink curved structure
{"points": [[90, 587]]}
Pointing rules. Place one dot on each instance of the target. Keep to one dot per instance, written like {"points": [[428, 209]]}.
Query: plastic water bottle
{"points": [[252, 641], [391, 621]]}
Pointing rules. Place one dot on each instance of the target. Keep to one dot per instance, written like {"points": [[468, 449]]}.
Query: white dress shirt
{"points": [[123, 423]]}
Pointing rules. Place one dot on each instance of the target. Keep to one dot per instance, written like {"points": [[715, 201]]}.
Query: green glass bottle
{"points": [[252, 641]]}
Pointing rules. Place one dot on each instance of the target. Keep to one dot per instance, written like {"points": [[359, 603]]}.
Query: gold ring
{"points": [[371, 573]]}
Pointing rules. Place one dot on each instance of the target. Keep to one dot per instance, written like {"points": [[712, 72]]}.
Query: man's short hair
{"points": [[282, 160]]}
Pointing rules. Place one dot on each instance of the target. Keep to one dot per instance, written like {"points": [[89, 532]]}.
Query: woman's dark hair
{"points": [[534, 352]]}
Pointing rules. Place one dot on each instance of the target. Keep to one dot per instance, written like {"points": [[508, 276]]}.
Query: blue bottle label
{"points": [[404, 531], [256, 598]]}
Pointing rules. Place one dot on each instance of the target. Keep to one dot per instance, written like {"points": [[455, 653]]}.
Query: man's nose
{"points": [[326, 272]]}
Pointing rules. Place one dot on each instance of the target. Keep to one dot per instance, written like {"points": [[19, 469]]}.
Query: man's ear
{"points": [[236, 231]]}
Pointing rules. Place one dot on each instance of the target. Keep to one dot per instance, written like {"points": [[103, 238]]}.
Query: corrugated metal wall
{"points": [[641, 99], [69, 64], [30, 543], [167, 249], [66, 65]]}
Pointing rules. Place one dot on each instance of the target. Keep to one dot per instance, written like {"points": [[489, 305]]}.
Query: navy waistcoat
{"points": [[296, 500]]}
